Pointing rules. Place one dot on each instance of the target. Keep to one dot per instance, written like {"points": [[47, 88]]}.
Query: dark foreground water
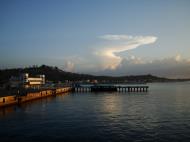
{"points": [[162, 114]]}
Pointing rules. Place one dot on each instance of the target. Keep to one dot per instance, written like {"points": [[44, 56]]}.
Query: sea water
{"points": [[161, 114]]}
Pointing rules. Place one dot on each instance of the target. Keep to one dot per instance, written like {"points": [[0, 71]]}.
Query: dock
{"points": [[28, 96], [111, 88]]}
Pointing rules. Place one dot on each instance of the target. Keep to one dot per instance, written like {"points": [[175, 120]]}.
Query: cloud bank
{"points": [[105, 59], [108, 54], [172, 67]]}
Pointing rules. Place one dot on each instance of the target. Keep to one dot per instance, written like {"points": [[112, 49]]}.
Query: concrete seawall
{"points": [[12, 100]]}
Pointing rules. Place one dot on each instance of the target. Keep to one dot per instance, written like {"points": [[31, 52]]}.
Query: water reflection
{"points": [[111, 103], [7, 110]]}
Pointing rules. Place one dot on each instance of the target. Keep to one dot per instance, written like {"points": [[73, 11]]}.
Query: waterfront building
{"points": [[25, 81]]}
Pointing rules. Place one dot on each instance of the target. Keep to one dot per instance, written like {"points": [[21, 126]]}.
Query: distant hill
{"points": [[55, 74]]}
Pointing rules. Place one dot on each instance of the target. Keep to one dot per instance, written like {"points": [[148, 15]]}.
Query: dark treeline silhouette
{"points": [[55, 74]]}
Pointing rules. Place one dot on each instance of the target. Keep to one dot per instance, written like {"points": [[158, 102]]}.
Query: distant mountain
{"points": [[55, 74]]}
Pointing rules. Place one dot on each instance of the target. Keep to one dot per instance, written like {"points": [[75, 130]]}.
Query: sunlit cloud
{"points": [[178, 57], [69, 66], [116, 37], [105, 59], [109, 53], [172, 67]]}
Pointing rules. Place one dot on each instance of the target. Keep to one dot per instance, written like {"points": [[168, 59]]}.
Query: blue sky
{"points": [[71, 35]]}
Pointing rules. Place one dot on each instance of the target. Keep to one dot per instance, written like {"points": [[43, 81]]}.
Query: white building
{"points": [[25, 81]]}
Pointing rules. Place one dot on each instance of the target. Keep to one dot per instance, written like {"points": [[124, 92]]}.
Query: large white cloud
{"points": [[105, 60], [120, 43], [105, 54]]}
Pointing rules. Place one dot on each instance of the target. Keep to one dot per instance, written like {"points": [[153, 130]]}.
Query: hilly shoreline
{"points": [[55, 74]]}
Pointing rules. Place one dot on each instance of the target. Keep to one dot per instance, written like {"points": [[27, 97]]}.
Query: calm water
{"points": [[162, 114]]}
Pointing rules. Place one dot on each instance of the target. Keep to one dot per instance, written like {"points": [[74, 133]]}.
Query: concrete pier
{"points": [[17, 99], [82, 89], [133, 89], [101, 88]]}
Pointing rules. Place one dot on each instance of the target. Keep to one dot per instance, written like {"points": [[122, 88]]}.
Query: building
{"points": [[25, 81]]}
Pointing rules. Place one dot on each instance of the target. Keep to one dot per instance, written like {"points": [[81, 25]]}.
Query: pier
{"points": [[28, 96], [110, 88]]}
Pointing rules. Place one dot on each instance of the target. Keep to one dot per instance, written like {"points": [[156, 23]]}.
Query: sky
{"points": [[101, 37]]}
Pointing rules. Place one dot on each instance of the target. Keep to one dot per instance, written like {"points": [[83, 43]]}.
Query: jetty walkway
{"points": [[28, 96]]}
